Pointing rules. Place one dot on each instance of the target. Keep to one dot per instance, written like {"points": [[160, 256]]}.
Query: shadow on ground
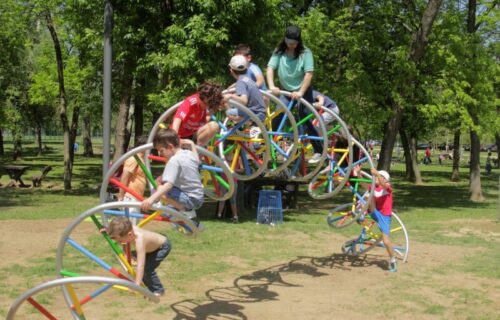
{"points": [[260, 286]]}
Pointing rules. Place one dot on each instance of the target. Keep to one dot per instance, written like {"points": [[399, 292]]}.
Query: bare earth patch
{"points": [[329, 286]]}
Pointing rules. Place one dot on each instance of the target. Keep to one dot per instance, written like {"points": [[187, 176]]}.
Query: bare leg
{"points": [[388, 245], [206, 133]]}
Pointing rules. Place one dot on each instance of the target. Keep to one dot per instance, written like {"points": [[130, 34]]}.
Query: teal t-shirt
{"points": [[291, 71]]}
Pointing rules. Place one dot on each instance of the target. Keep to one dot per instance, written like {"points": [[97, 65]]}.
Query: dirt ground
{"points": [[331, 286]]}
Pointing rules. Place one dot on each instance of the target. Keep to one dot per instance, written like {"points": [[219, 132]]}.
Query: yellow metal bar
{"points": [[76, 303], [151, 217], [235, 158]]}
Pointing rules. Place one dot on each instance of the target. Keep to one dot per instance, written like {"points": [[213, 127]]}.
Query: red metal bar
{"points": [[41, 309], [127, 189], [157, 158]]}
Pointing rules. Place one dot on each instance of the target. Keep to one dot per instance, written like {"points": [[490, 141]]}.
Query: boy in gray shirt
{"points": [[247, 92], [181, 182]]}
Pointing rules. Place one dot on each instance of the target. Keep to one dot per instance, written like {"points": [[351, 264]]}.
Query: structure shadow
{"points": [[261, 285]]}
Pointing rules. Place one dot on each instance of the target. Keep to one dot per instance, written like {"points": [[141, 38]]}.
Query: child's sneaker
{"points": [[255, 132], [393, 266], [198, 225], [315, 158], [234, 220]]}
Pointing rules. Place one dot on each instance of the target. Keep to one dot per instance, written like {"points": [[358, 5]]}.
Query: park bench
{"points": [[37, 180]]}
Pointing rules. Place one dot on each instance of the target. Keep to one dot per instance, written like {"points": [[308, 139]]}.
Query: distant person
{"points": [[488, 164], [427, 158], [191, 120], [152, 248], [253, 71]]}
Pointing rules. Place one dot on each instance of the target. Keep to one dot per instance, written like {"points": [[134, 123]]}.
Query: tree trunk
{"points": [[476, 194], [497, 141], [139, 112], [2, 150], [417, 177], [86, 137], [121, 121], [130, 122], [68, 142], [389, 139], [455, 173], [409, 175], [38, 130], [419, 41], [17, 137]]}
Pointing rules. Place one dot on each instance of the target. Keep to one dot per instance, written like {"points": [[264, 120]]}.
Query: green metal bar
{"points": [[334, 129], [222, 181], [113, 245], [69, 273], [309, 116], [146, 172], [359, 180]]}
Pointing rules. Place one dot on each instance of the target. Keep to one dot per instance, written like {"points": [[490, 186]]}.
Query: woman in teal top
{"points": [[295, 65]]}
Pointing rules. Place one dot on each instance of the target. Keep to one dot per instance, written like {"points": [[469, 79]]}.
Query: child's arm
{"points": [[270, 81], [320, 102], [140, 247], [162, 189], [176, 124], [191, 145], [243, 99]]}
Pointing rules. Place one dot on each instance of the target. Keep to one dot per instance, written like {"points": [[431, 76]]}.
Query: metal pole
{"points": [[106, 114]]}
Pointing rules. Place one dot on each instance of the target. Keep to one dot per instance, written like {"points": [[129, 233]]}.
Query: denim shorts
{"points": [[384, 222], [235, 112], [188, 202]]}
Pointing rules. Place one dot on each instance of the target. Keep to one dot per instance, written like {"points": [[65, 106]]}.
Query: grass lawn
{"points": [[438, 215]]}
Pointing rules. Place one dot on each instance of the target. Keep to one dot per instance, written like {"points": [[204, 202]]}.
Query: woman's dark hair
{"points": [[211, 94], [281, 48], [293, 33]]}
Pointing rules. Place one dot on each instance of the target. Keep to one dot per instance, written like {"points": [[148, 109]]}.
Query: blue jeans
{"points": [[310, 130], [180, 196], [153, 260]]}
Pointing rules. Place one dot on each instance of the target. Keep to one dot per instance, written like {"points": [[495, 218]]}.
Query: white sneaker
{"points": [[255, 132], [315, 158], [190, 214]]}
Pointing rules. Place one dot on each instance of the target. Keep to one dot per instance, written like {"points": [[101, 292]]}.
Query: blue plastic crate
{"points": [[270, 210]]}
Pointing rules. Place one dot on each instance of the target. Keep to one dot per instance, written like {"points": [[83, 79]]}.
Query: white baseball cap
{"points": [[238, 63], [385, 174]]}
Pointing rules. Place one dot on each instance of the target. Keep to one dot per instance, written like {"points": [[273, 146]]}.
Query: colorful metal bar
{"points": [[96, 259], [146, 172], [127, 189], [76, 303], [40, 308]]}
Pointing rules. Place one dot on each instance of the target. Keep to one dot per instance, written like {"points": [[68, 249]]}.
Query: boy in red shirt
{"points": [[191, 121], [381, 211]]}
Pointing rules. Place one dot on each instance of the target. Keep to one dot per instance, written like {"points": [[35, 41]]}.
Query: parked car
{"points": [[490, 147], [442, 146], [423, 146]]}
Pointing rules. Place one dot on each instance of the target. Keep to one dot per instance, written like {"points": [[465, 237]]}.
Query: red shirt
{"points": [[427, 152], [192, 115], [383, 199]]}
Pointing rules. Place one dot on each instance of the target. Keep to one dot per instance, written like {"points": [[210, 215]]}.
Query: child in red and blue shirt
{"points": [[381, 211]]}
